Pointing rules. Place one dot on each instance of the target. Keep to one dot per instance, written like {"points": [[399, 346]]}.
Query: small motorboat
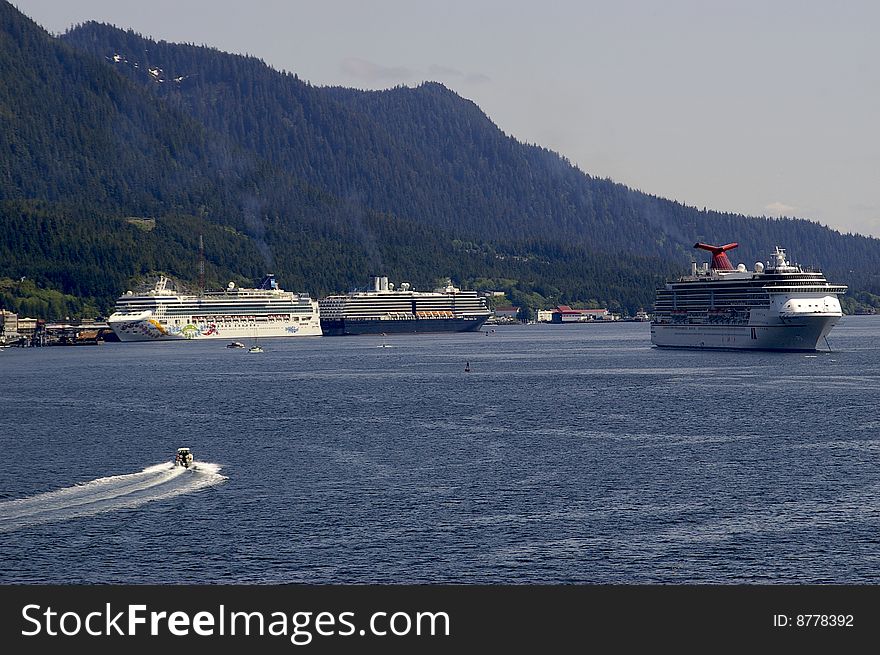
{"points": [[255, 349], [183, 458], [235, 344]]}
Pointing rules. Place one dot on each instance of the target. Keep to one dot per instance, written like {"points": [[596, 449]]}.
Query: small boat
{"points": [[235, 344], [183, 458], [255, 348]]}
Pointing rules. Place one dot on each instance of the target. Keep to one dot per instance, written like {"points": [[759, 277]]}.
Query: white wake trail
{"points": [[107, 494]]}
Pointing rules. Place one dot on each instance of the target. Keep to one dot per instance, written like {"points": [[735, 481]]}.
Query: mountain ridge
{"points": [[577, 204], [324, 185]]}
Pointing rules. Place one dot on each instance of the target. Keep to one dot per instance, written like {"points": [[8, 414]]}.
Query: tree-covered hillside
{"points": [[118, 152], [430, 156]]}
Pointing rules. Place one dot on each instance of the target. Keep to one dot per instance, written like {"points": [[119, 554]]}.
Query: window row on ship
{"points": [[219, 311], [709, 297], [760, 283], [400, 305], [238, 307], [730, 294], [236, 320], [218, 308]]}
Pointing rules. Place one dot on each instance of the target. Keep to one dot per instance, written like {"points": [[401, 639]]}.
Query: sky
{"points": [[765, 108]]}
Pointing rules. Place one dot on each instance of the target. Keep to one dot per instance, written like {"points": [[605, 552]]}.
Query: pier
{"points": [[25, 332]]}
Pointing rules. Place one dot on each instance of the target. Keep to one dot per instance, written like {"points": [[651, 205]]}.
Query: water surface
{"points": [[572, 454]]}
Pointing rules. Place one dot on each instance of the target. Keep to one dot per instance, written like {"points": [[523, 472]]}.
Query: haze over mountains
{"points": [[117, 152]]}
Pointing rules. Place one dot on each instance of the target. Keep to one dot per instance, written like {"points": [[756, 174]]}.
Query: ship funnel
{"points": [[720, 261], [377, 283], [384, 283]]}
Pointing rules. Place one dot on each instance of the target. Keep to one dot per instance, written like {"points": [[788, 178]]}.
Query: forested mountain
{"points": [[431, 156], [101, 183], [117, 152]]}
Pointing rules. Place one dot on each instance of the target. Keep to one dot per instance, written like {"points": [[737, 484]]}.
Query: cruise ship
{"points": [[164, 314], [776, 306], [386, 310]]}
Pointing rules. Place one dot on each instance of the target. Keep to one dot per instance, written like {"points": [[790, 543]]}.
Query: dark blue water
{"points": [[567, 454]]}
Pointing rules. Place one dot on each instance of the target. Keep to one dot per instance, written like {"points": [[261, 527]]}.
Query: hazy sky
{"points": [[761, 107]]}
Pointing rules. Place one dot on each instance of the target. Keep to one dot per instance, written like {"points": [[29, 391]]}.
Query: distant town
{"points": [[25, 332], [561, 314]]}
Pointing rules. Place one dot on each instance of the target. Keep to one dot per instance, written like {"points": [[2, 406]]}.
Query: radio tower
{"points": [[201, 265]]}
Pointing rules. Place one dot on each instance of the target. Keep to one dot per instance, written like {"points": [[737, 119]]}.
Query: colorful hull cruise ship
{"points": [[384, 310], [163, 314], [777, 306]]}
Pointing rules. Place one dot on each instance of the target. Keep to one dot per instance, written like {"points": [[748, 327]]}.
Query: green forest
{"points": [[118, 153]]}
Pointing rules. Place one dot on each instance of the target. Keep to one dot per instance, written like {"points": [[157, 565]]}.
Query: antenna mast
{"points": [[201, 265]]}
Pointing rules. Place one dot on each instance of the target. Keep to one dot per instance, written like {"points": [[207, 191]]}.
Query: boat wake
{"points": [[108, 494]]}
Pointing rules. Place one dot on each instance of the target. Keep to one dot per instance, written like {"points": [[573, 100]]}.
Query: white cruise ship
{"points": [[776, 306], [164, 314], [386, 310]]}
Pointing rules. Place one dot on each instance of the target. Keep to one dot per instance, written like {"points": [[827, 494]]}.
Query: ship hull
{"points": [[798, 335], [152, 330], [350, 327]]}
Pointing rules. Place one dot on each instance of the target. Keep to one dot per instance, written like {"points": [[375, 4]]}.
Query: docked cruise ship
{"points": [[386, 310], [163, 314], [777, 306]]}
